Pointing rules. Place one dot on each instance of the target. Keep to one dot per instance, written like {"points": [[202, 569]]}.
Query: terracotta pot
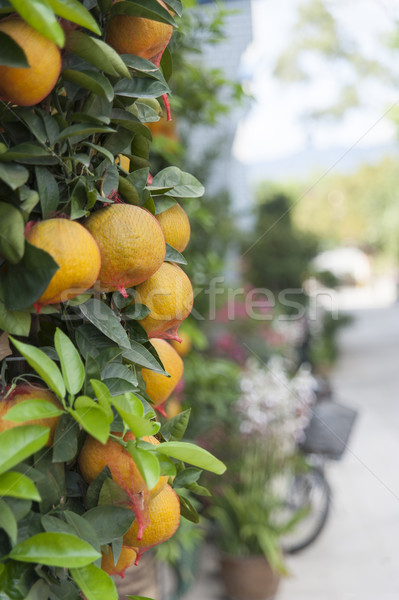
{"points": [[248, 578]]}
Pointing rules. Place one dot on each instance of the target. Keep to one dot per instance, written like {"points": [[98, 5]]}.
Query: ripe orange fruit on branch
{"points": [[159, 387], [76, 253], [126, 558], [139, 36], [182, 348], [131, 243], [28, 392], [94, 456], [164, 516], [169, 296], [175, 226], [27, 87]]}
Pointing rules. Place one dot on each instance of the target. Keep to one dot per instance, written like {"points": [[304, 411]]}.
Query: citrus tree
{"points": [[90, 292]]}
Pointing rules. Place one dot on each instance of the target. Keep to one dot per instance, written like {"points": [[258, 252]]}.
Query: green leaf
{"points": [[93, 81], [192, 454], [141, 88], [18, 486], [55, 550], [97, 53], [20, 442], [103, 396], [29, 152], [83, 129], [184, 184], [12, 174], [11, 54], [38, 591], [138, 425], [26, 281], [163, 203], [92, 418], [173, 255], [176, 6], [128, 191], [43, 365], [73, 10], [104, 318], [112, 493], [48, 191], [39, 14], [108, 155], [175, 428], [34, 408], [95, 583], [139, 355], [136, 312], [186, 477], [72, 367], [188, 511], [94, 489], [82, 528], [65, 446], [8, 522], [12, 238], [147, 464], [56, 525], [148, 9], [109, 522], [118, 371]]}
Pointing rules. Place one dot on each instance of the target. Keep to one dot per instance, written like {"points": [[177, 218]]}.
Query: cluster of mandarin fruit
{"points": [[117, 247]]}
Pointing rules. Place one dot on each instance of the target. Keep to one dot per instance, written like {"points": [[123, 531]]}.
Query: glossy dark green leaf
{"points": [[39, 14], [162, 203], [94, 489], [173, 255], [55, 550], [147, 464], [28, 200], [39, 591], [174, 428], [95, 583], [16, 485], [89, 80], [148, 9], [92, 418], [11, 54], [12, 174], [176, 6], [118, 371], [26, 281], [140, 88], [20, 442], [48, 191], [108, 155], [188, 511], [192, 454], [128, 191], [43, 365], [109, 522], [82, 129], [112, 493], [8, 521], [136, 311], [29, 153], [73, 10], [56, 525], [139, 355], [82, 528], [72, 367], [14, 322], [65, 446], [104, 318], [97, 53], [12, 238], [184, 184], [28, 410]]}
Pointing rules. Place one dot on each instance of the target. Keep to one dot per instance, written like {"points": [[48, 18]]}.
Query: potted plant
{"points": [[260, 452]]}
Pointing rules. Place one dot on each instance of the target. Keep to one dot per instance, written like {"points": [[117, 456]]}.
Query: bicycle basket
{"points": [[329, 429]]}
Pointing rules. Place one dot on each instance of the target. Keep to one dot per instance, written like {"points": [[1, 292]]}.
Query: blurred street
{"points": [[356, 556]]}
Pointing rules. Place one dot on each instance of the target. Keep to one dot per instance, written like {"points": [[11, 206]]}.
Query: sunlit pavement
{"points": [[357, 555]]}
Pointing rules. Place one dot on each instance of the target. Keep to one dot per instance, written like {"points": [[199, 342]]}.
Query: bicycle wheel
{"points": [[309, 492]]}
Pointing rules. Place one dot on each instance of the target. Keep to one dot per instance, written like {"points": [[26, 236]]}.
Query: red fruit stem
{"points": [[166, 102]]}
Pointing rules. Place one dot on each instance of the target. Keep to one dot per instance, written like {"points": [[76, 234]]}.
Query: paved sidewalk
{"points": [[357, 555]]}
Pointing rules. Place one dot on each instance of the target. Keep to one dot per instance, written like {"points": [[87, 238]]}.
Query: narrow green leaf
{"points": [[147, 9], [20, 442], [55, 550], [74, 11], [40, 15], [139, 355], [173, 255], [97, 53], [8, 522], [90, 80], [43, 365], [15, 485], [147, 464], [28, 152], [138, 425], [72, 366], [104, 318], [103, 396], [12, 238], [175, 428], [82, 129], [108, 155], [34, 408], [188, 511], [141, 88], [92, 418], [65, 446], [11, 54], [48, 191], [192, 454], [95, 583]]}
